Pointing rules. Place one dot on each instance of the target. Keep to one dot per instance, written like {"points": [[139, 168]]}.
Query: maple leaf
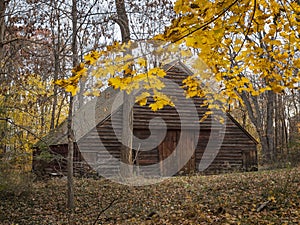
{"points": [[142, 98], [142, 62], [116, 82], [71, 88], [92, 57]]}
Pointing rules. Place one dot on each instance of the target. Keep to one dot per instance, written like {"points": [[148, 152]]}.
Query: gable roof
{"points": [[178, 65], [102, 107]]}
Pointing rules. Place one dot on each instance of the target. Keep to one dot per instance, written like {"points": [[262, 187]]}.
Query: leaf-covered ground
{"points": [[268, 197]]}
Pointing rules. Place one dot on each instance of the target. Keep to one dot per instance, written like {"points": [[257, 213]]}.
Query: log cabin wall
{"points": [[237, 151], [57, 164], [232, 155], [101, 147]]}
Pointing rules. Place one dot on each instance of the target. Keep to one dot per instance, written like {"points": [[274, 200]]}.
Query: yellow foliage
{"points": [[91, 58], [72, 89], [70, 84], [142, 98], [277, 88], [29, 113], [116, 82], [269, 53], [142, 62], [157, 71], [160, 100]]}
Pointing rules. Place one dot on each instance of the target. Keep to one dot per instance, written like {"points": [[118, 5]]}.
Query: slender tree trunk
{"points": [[3, 130], [54, 105], [269, 154], [264, 125], [70, 192], [3, 4], [127, 124], [55, 48], [71, 141], [81, 92], [55, 89]]}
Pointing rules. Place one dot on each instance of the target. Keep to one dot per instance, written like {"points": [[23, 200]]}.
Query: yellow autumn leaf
{"points": [[114, 46], [157, 71], [92, 57], [161, 73], [60, 82], [142, 62], [116, 82], [254, 93], [272, 199], [190, 41], [191, 93], [261, 90], [186, 53], [79, 69], [128, 69], [203, 118], [159, 37], [72, 89], [157, 105], [277, 88], [142, 98]]}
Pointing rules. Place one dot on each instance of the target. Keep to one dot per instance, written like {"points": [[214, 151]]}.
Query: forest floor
{"points": [[265, 197]]}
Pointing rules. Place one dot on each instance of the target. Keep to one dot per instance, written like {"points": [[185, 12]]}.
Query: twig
{"points": [[10, 121], [219, 14], [104, 209]]}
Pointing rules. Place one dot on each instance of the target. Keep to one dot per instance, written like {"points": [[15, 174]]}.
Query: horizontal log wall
{"points": [[101, 147]]}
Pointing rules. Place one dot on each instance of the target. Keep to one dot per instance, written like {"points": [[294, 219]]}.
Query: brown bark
{"points": [[56, 72], [264, 123], [70, 169], [2, 26], [3, 129], [122, 20], [269, 151], [127, 125], [70, 193]]}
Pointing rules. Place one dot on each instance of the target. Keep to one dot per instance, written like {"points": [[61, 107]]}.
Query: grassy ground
{"points": [[267, 197]]}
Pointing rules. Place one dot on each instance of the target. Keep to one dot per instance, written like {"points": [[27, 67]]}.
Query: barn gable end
{"points": [[101, 148]]}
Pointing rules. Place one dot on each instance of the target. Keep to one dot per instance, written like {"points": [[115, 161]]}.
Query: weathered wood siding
{"points": [[57, 164], [101, 146], [231, 155]]}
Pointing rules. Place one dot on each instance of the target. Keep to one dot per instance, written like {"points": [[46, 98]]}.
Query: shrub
{"points": [[13, 181]]}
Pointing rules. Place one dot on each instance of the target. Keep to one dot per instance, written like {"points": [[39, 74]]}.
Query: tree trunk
{"points": [[3, 4], [70, 192], [55, 77], [71, 141], [127, 124], [122, 20], [3, 130], [269, 152], [264, 124]]}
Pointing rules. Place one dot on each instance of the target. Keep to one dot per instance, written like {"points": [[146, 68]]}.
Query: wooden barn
{"points": [[176, 143]]}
